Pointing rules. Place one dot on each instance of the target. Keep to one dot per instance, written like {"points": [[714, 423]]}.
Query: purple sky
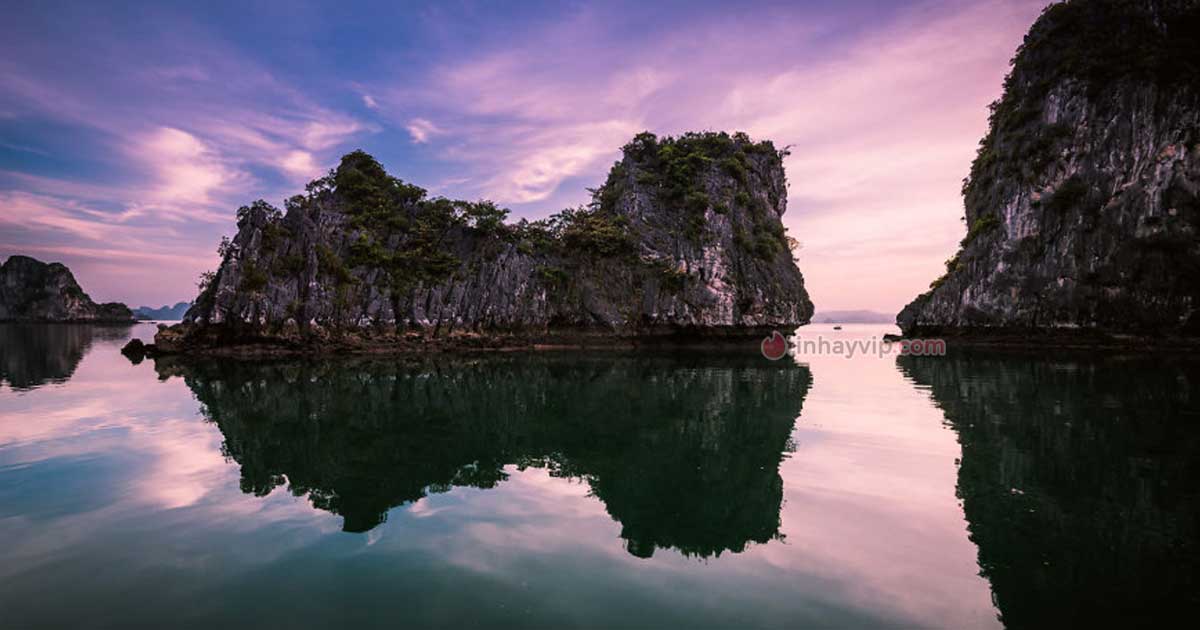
{"points": [[129, 136]]}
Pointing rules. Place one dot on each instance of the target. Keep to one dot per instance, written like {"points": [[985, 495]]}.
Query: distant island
{"points": [[853, 317], [682, 243], [34, 291], [1083, 204], [163, 313]]}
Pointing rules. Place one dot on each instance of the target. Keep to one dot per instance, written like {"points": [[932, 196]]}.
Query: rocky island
{"points": [[34, 291], [1082, 205], [682, 243]]}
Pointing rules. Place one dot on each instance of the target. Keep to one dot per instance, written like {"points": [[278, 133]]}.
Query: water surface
{"points": [[592, 490]]}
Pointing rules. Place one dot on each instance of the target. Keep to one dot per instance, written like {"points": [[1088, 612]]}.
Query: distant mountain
{"points": [[34, 291], [168, 313], [853, 317]]}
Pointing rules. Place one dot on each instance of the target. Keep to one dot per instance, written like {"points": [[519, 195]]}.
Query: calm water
{"points": [[601, 490]]}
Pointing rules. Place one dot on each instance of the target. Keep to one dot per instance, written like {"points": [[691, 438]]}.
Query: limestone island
{"points": [[34, 291], [682, 244], [1083, 203]]}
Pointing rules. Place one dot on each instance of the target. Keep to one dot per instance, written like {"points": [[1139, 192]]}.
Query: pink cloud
{"points": [[113, 256], [421, 129], [188, 170], [185, 158], [883, 126]]}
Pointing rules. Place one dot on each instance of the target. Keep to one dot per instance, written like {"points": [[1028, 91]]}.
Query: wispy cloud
{"points": [[883, 106], [883, 123], [114, 255], [187, 170], [421, 130], [173, 136]]}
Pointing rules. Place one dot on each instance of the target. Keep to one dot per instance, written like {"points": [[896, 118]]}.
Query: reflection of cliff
{"points": [[32, 354], [1080, 481], [683, 454]]}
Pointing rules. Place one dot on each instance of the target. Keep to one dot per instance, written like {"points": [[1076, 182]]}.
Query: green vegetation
{"points": [[675, 169], [254, 279], [273, 233], [330, 265], [1103, 41], [245, 212], [394, 227], [552, 276], [595, 232], [673, 279], [485, 217], [952, 264], [770, 240], [290, 264], [584, 230], [382, 208], [206, 280], [983, 224]]}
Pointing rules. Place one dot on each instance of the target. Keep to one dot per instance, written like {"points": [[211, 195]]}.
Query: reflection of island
{"points": [[683, 454], [33, 354], [1080, 481]]}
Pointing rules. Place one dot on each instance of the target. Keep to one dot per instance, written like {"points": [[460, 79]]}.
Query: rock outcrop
{"points": [[1083, 204], [34, 291], [684, 241]]}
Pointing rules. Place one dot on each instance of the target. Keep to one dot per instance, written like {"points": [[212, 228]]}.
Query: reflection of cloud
{"points": [[110, 407], [886, 544]]}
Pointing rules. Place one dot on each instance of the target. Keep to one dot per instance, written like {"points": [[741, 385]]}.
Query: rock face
{"points": [[34, 291], [1082, 205], [684, 240]]}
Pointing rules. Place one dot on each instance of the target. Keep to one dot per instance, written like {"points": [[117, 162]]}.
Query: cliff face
{"points": [[32, 291], [1082, 206], [684, 238]]}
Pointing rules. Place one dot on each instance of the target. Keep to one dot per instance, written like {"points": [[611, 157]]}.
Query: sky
{"points": [[130, 134]]}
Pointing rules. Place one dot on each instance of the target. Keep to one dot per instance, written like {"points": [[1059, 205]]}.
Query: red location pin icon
{"points": [[775, 346]]}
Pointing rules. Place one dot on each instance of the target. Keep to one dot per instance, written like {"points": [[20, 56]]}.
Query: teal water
{"points": [[594, 490]]}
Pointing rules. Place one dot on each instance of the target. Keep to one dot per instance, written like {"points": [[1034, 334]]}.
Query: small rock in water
{"points": [[135, 351]]}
